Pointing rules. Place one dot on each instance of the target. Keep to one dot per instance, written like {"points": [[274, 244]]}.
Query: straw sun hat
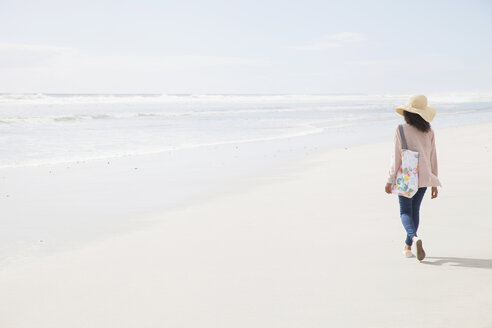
{"points": [[418, 104]]}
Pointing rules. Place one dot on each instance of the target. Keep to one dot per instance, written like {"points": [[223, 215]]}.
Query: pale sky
{"points": [[248, 46]]}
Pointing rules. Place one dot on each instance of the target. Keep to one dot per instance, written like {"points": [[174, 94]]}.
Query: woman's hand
{"points": [[387, 188], [434, 192]]}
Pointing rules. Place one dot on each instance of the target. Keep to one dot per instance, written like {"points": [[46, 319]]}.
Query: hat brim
{"points": [[426, 113]]}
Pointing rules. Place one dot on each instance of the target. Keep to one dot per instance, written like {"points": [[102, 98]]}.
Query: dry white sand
{"points": [[318, 244]]}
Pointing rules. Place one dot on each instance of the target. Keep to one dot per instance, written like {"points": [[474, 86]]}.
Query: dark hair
{"points": [[417, 121]]}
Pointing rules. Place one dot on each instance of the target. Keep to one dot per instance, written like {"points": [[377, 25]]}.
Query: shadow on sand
{"points": [[459, 261]]}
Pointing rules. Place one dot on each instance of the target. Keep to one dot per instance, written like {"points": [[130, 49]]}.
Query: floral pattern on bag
{"points": [[407, 178]]}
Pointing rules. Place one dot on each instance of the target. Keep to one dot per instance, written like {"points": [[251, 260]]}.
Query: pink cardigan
{"points": [[424, 143]]}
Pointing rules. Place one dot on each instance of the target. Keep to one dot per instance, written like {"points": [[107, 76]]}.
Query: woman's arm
{"points": [[433, 160], [433, 157], [396, 160]]}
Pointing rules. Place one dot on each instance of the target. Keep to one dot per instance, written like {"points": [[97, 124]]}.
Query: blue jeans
{"points": [[409, 213]]}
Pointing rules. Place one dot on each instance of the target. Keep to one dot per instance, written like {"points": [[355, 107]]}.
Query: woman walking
{"points": [[420, 138]]}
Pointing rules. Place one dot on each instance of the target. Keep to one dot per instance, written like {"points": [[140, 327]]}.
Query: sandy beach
{"points": [[311, 243]]}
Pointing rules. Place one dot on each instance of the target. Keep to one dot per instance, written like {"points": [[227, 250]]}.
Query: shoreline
{"points": [[306, 246], [43, 242]]}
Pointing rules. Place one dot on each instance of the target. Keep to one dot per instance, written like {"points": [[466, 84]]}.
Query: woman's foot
{"points": [[420, 249], [407, 253]]}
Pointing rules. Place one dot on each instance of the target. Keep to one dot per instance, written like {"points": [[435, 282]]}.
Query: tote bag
{"points": [[407, 178]]}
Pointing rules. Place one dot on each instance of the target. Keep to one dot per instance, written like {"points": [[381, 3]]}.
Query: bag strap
{"points": [[403, 140]]}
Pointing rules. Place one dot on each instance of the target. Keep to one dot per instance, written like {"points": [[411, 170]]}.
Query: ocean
{"points": [[55, 128]]}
